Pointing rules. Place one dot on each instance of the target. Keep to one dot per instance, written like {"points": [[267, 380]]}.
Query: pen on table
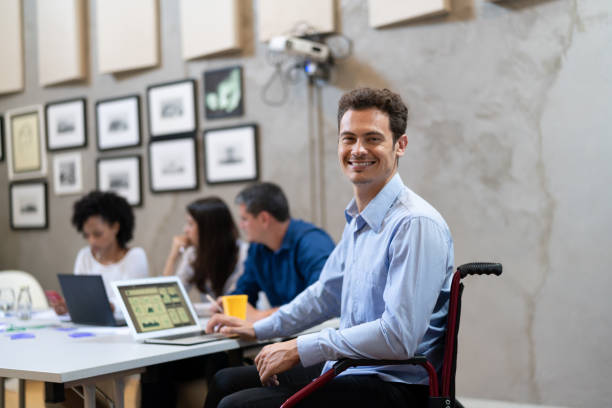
{"points": [[214, 302]]}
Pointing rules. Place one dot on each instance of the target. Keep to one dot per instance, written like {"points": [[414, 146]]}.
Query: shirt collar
{"points": [[288, 238], [375, 211]]}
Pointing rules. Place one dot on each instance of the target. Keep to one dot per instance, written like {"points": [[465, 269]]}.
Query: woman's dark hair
{"points": [[382, 99], [217, 251], [111, 207]]}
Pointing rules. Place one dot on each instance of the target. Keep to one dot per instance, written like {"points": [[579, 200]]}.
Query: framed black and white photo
{"points": [[223, 93], [28, 205], [121, 175], [67, 173], [1, 138], [172, 109], [173, 165], [231, 154], [66, 124], [118, 122], [25, 143]]}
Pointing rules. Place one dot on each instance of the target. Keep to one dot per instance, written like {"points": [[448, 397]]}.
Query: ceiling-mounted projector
{"points": [[299, 46]]}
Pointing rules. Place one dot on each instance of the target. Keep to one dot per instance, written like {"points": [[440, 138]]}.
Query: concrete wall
{"points": [[509, 138]]}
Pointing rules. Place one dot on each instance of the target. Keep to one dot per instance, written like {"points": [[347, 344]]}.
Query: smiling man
{"points": [[388, 279]]}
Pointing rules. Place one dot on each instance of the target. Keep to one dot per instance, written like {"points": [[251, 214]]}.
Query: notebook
{"points": [[158, 310], [87, 301]]}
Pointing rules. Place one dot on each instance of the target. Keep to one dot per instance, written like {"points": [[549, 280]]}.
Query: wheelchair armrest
{"points": [[345, 363]]}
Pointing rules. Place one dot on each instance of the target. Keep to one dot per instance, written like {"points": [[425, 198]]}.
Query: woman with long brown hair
{"points": [[212, 254]]}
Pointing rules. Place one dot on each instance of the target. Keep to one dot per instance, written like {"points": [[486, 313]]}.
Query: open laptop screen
{"points": [[156, 306]]}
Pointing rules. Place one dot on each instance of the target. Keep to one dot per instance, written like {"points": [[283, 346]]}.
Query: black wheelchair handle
{"points": [[480, 268]]}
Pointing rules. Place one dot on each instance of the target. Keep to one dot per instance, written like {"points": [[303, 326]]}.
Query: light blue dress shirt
{"points": [[389, 281]]}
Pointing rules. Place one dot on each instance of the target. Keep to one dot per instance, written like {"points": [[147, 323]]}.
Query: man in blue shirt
{"points": [[285, 256], [388, 279]]}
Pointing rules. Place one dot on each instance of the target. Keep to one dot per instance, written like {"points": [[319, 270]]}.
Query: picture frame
{"points": [[231, 154], [171, 108], [118, 122], [1, 138], [67, 173], [25, 143], [173, 165], [28, 205], [66, 124], [223, 93], [122, 176]]}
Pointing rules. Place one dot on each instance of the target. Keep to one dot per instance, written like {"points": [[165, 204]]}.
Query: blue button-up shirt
{"points": [[389, 281], [284, 273]]}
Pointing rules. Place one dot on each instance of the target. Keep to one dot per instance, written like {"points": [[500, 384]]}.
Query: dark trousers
{"points": [[159, 383], [240, 387]]}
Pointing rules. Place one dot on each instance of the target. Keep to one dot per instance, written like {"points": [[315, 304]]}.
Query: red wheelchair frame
{"points": [[442, 384]]}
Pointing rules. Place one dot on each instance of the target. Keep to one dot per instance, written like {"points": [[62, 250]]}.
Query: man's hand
{"points": [[276, 358], [230, 325]]}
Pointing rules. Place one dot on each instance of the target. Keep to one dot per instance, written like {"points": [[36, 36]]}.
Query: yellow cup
{"points": [[235, 305]]}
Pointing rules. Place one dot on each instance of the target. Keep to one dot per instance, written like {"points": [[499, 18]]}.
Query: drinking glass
{"points": [[7, 300], [24, 303]]}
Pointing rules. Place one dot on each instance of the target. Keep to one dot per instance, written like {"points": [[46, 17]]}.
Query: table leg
{"points": [[89, 395], [119, 388], [22, 386], [2, 392]]}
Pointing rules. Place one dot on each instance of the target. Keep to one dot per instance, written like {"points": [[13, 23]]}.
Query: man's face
{"points": [[365, 148], [250, 224]]}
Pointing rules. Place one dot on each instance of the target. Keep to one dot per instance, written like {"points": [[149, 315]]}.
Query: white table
{"points": [[111, 353]]}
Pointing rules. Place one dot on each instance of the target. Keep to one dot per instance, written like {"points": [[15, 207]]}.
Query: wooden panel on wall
{"points": [[282, 17], [128, 34], [209, 27], [61, 41], [11, 46], [385, 12]]}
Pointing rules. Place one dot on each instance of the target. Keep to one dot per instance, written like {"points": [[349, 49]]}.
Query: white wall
{"points": [[510, 139]]}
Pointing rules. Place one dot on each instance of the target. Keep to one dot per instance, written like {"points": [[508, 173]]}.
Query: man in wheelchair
{"points": [[388, 279]]}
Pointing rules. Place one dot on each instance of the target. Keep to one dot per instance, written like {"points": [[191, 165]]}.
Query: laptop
{"points": [[158, 311], [87, 301]]}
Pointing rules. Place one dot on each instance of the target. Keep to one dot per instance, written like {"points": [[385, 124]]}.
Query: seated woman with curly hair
{"points": [[106, 221]]}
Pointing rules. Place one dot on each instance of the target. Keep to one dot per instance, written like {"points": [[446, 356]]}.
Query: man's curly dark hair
{"points": [[381, 99], [111, 207]]}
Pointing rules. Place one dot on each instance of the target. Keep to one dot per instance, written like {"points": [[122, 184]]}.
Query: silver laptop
{"points": [[158, 310]]}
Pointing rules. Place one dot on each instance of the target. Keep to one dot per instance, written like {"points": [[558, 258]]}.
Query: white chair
{"points": [[17, 279]]}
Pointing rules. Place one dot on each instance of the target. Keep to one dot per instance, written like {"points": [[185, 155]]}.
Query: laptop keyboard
{"points": [[200, 336]]}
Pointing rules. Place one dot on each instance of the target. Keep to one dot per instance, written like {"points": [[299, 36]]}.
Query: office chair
{"points": [[442, 384], [16, 279]]}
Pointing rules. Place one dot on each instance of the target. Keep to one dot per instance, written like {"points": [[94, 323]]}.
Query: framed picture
{"points": [[28, 202], [25, 145], [173, 165], [223, 93], [171, 108], [1, 138], [67, 173], [231, 154], [66, 124], [121, 175], [118, 122]]}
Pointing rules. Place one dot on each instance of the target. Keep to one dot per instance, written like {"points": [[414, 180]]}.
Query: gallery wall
{"points": [[509, 138]]}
